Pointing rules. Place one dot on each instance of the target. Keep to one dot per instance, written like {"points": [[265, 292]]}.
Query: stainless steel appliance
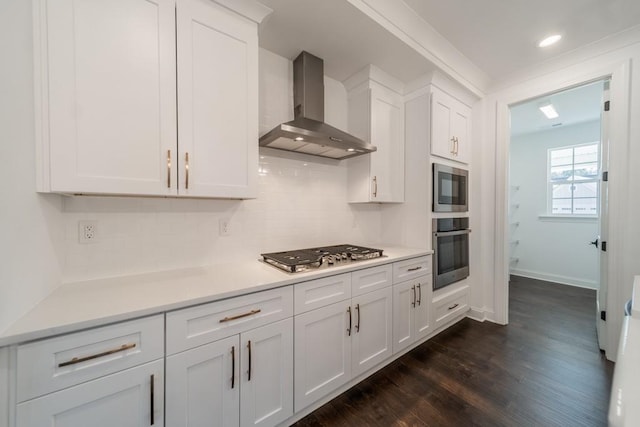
{"points": [[313, 258], [307, 132], [451, 251], [450, 189]]}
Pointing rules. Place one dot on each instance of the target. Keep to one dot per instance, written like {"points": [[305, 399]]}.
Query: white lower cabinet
{"points": [[335, 343], [130, 398], [230, 362], [411, 311]]}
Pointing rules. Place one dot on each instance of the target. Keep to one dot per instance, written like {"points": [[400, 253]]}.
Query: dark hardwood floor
{"points": [[543, 369]]}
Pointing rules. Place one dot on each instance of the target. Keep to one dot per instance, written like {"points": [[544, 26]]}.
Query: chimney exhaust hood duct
{"points": [[307, 132]]}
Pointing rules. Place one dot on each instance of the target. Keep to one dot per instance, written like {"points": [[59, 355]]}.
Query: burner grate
{"points": [[305, 259]]}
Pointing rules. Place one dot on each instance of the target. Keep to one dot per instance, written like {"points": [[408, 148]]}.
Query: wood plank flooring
{"points": [[543, 369]]}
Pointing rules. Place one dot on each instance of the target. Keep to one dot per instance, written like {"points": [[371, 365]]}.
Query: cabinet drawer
{"points": [[195, 326], [410, 268], [451, 305], [371, 279], [321, 292], [56, 363]]}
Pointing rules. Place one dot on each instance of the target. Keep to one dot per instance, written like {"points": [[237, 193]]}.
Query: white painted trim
{"points": [[556, 278], [4, 386], [477, 314], [250, 9], [404, 23], [41, 96], [619, 72], [567, 218], [372, 73]]}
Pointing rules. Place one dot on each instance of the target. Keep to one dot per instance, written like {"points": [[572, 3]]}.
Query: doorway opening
{"points": [[557, 198]]}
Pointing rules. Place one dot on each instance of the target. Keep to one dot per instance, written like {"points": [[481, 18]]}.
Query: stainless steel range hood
{"points": [[307, 132]]}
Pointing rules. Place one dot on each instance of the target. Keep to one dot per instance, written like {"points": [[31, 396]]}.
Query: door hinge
{"points": [[607, 106], [603, 246], [603, 315]]}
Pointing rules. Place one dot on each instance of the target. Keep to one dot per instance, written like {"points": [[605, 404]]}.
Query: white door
{"points": [[266, 396], [217, 101], [422, 309], [442, 143], [322, 352], [203, 385], [130, 398], [404, 300], [387, 134], [372, 334], [603, 234], [461, 129], [111, 96]]}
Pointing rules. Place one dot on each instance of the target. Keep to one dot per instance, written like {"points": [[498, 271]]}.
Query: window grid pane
{"points": [[574, 180]]}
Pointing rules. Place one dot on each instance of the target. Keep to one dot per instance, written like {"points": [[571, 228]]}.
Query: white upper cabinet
{"points": [[450, 127], [217, 101], [106, 100], [376, 115]]}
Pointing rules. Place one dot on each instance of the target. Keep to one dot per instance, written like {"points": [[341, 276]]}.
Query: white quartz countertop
{"points": [[76, 306], [625, 390]]}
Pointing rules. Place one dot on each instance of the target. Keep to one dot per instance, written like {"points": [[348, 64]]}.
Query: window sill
{"points": [[569, 218]]}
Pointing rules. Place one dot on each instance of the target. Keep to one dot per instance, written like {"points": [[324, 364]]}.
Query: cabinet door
{"points": [[442, 142], [460, 128], [217, 101], [130, 398], [387, 134], [322, 352], [203, 385], [404, 296], [372, 337], [266, 397], [422, 310], [108, 96]]}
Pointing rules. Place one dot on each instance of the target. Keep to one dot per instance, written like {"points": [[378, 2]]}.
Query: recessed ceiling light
{"points": [[548, 110], [299, 138], [550, 40]]}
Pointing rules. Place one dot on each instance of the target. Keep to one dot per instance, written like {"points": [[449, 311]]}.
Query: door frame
{"points": [[619, 73]]}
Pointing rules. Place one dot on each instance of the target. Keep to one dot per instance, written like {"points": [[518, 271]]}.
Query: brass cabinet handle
{"points": [[186, 168], [168, 168], [454, 306], [375, 186], [419, 294], [415, 268], [240, 316], [233, 366], [457, 146], [453, 145], [413, 303], [75, 360], [358, 323], [349, 328], [249, 372], [152, 418]]}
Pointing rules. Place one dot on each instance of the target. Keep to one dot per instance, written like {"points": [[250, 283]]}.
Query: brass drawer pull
{"points": [[168, 168], [186, 168], [75, 360], [415, 268], [454, 306], [240, 316]]}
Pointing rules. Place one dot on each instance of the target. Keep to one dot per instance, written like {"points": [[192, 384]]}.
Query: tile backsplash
{"points": [[301, 203]]}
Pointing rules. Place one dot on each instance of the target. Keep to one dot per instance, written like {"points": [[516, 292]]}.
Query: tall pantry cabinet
{"points": [[147, 97]]}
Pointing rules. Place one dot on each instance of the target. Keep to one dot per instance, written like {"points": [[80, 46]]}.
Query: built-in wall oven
{"points": [[450, 189], [451, 251]]}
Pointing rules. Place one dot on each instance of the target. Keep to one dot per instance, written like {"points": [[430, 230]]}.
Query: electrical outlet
{"points": [[87, 231], [225, 226]]}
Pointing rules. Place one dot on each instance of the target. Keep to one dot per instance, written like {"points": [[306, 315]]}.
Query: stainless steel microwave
{"points": [[450, 189]]}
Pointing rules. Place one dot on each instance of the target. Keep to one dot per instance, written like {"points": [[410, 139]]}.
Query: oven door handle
{"points": [[452, 233]]}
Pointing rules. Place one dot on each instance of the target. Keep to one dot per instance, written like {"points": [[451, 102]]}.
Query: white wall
{"points": [[619, 56], [301, 202], [31, 246], [552, 249]]}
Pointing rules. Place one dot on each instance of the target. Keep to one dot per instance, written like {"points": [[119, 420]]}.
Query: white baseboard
{"points": [[564, 280], [481, 314]]}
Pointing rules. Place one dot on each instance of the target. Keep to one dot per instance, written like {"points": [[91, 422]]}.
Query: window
{"points": [[573, 180]]}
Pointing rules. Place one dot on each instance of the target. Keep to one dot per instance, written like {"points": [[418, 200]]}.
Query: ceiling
{"points": [[499, 36], [577, 105]]}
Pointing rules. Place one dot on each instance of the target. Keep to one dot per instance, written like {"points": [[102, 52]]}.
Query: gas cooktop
{"points": [[300, 260]]}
